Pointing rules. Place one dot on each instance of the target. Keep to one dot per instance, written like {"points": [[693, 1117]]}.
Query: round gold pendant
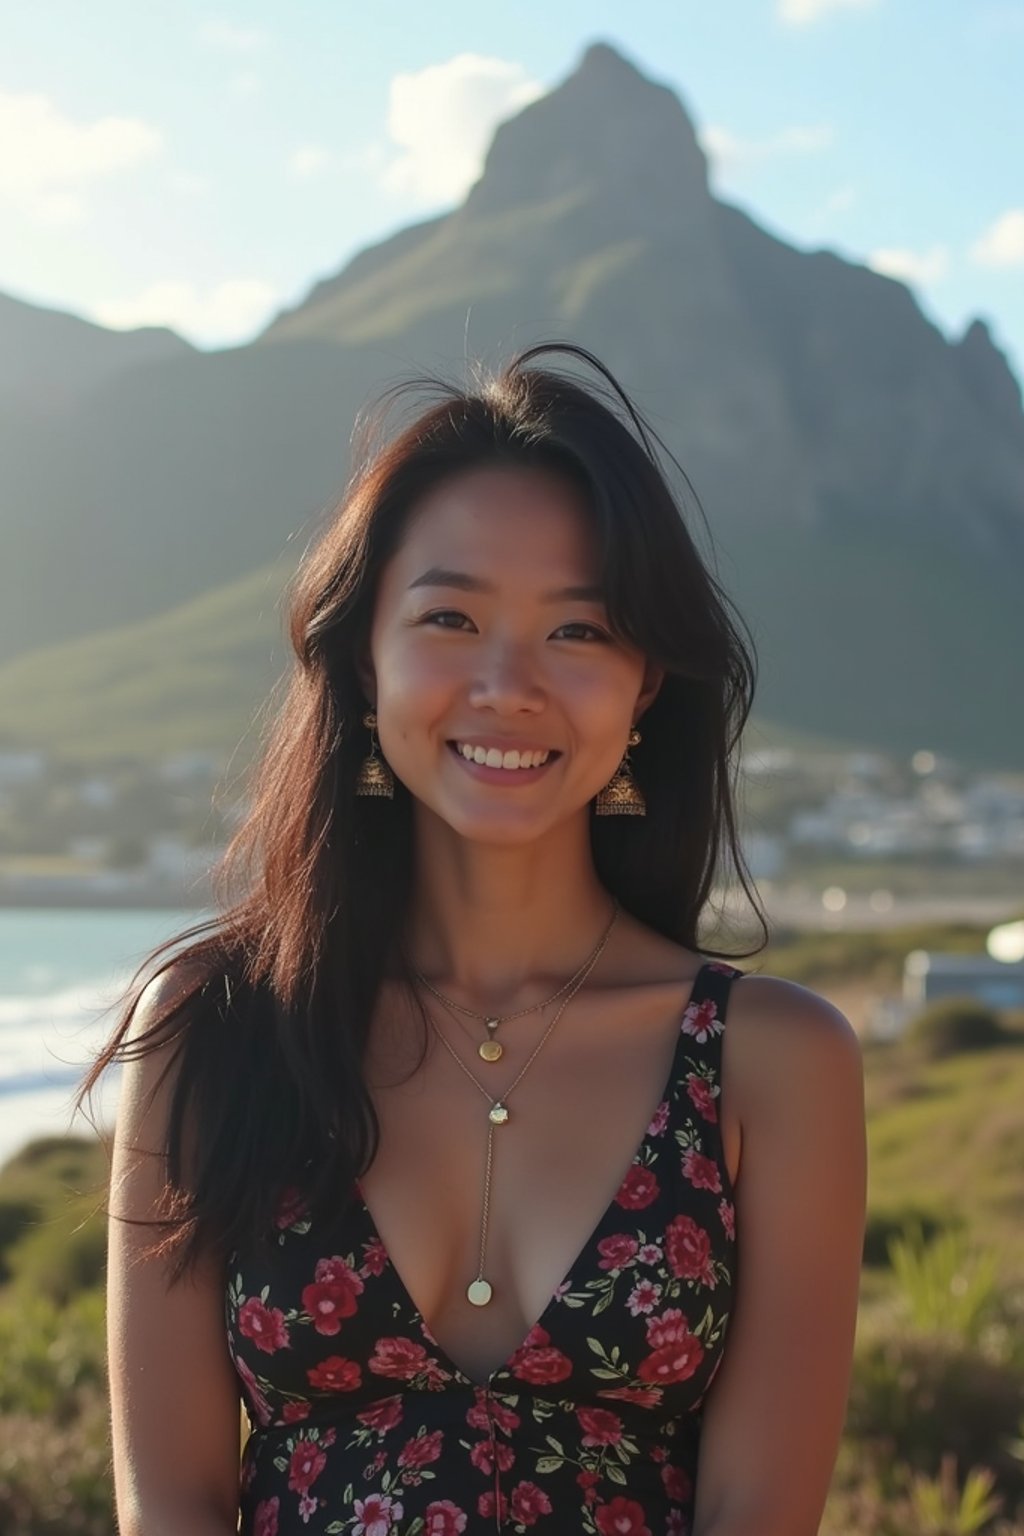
{"points": [[498, 1114], [479, 1293], [490, 1050]]}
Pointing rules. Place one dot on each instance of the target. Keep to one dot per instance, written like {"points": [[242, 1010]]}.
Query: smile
{"points": [[494, 766]]}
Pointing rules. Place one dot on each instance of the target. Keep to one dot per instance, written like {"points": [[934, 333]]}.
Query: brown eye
{"points": [[592, 630], [442, 613]]}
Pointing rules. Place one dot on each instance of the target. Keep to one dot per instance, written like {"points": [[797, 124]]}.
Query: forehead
{"points": [[503, 523]]}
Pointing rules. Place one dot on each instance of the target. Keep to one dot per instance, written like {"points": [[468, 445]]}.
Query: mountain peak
{"points": [[606, 128]]}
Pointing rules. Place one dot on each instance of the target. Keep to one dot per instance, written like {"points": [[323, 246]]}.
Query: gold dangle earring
{"points": [[374, 777], [622, 795]]}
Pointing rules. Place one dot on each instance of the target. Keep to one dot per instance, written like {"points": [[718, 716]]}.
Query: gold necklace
{"points": [[480, 1291], [491, 1048]]}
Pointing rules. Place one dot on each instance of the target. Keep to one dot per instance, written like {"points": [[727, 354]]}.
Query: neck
{"points": [[503, 927]]}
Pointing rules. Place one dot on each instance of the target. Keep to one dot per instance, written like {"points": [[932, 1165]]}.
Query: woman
{"points": [[475, 1168]]}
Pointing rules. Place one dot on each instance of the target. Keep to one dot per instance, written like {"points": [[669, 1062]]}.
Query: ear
{"points": [[367, 678], [654, 676]]}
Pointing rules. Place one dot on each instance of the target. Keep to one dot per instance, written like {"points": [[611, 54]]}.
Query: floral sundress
{"points": [[362, 1426]]}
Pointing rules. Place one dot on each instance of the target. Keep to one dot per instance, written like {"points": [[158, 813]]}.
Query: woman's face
{"points": [[471, 643]]}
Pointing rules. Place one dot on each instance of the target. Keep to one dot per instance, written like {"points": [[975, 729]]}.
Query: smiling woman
{"points": [[441, 1115]]}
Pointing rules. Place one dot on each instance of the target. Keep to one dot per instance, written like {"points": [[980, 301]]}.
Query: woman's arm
{"points": [[175, 1412], [774, 1414]]}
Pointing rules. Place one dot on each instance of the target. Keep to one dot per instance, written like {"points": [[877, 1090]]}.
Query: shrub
{"points": [[883, 1226], [917, 1397], [64, 1253], [953, 1025], [944, 1286], [55, 1479], [51, 1355]]}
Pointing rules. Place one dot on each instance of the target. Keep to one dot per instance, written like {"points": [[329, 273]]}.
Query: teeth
{"points": [[495, 759]]}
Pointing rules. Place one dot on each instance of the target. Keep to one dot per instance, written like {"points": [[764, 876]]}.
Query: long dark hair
{"points": [[270, 1020]]}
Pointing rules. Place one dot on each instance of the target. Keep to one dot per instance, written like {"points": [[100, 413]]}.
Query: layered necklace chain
{"points": [[480, 1291], [491, 1049]]}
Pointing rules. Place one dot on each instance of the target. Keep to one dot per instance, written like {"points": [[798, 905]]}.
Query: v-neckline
{"points": [[502, 1369]]}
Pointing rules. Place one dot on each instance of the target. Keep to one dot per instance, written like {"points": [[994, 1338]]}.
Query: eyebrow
{"points": [[439, 576]]}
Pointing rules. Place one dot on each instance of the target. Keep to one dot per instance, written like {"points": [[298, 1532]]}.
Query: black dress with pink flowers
{"points": [[361, 1425]]}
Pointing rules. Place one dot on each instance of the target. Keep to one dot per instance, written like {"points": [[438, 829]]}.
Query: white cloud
{"points": [[911, 266], [801, 13], [229, 312], [48, 161], [731, 155], [190, 185], [1002, 244], [230, 39], [841, 199], [309, 160], [441, 119], [245, 85]]}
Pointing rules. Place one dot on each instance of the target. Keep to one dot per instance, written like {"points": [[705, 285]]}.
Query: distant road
{"points": [[798, 909]]}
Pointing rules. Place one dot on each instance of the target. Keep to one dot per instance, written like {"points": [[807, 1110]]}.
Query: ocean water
{"points": [[61, 973]]}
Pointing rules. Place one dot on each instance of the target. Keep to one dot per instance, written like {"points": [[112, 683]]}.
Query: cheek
{"points": [[415, 680]]}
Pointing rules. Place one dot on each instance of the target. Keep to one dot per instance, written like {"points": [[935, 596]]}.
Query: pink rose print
{"points": [[264, 1325], [617, 1251], [644, 1297], [307, 1462], [485, 1506], [421, 1450], [677, 1483], [642, 1397], [335, 1374], [638, 1189], [375, 1258], [727, 1212], [265, 1518], [600, 1426], [702, 1096], [480, 1416], [488, 1454], [676, 1352], [333, 1294], [376, 1515], [701, 1020], [538, 1364], [294, 1412], [528, 1503], [650, 1253], [659, 1120], [398, 1357], [383, 1415], [443, 1518], [622, 1517], [702, 1172], [588, 1481], [688, 1248]]}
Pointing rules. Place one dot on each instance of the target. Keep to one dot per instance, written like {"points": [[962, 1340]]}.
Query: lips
{"points": [[499, 774], [494, 752]]}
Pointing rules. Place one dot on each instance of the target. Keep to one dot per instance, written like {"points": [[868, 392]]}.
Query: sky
{"points": [[202, 166]]}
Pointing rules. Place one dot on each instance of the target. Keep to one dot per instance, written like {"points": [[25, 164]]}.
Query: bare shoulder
{"points": [[167, 990], [150, 1066], [774, 1023]]}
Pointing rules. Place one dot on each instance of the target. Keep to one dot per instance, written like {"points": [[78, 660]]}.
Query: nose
{"points": [[507, 679]]}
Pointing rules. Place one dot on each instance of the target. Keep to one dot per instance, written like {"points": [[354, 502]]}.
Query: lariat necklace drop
{"points": [[480, 1290]]}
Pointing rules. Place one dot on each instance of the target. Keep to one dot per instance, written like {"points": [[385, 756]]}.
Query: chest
{"points": [[579, 1116]]}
